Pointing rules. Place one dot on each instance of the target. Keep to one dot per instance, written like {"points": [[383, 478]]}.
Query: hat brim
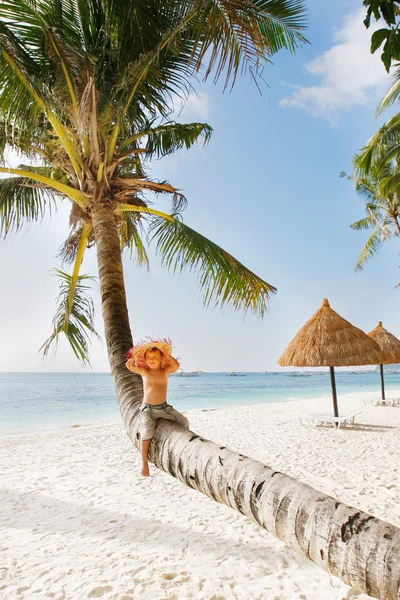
{"points": [[139, 351]]}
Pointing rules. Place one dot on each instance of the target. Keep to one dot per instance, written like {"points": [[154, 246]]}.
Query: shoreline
{"points": [[322, 397]]}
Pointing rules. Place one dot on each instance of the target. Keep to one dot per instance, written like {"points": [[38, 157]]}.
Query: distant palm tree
{"points": [[376, 176], [379, 189]]}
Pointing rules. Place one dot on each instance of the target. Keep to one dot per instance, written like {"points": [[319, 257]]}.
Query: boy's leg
{"points": [[174, 415], [145, 462], [147, 430]]}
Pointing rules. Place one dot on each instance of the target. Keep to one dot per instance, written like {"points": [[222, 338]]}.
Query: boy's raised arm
{"points": [[130, 364], [173, 366]]}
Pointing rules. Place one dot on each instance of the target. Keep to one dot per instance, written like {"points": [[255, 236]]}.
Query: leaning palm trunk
{"points": [[115, 312], [360, 549]]}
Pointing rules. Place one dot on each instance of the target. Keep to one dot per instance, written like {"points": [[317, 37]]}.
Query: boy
{"points": [[154, 363]]}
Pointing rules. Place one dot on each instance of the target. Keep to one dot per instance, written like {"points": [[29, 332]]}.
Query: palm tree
{"points": [[379, 190], [86, 88], [376, 177]]}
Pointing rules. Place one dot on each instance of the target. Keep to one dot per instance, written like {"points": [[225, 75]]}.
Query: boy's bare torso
{"points": [[155, 384], [155, 376]]}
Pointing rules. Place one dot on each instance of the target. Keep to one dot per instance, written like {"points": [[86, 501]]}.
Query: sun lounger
{"points": [[381, 402], [328, 420]]}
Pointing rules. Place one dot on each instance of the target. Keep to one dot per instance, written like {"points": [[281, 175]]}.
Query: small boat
{"points": [[189, 374], [298, 374]]}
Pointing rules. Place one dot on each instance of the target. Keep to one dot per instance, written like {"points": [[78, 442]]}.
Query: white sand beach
{"points": [[78, 521]]}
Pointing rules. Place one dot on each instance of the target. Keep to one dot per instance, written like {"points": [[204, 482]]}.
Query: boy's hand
{"points": [[173, 365], [131, 365], [166, 361]]}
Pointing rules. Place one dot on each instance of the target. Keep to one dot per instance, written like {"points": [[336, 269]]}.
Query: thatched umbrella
{"points": [[328, 340], [390, 349]]}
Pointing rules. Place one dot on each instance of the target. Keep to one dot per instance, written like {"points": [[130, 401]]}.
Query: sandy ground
{"points": [[78, 521]]}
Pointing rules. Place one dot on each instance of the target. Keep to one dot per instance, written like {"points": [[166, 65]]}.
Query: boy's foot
{"points": [[145, 471]]}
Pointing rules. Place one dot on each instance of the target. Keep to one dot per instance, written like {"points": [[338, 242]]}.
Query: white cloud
{"points": [[197, 105], [200, 104], [349, 74]]}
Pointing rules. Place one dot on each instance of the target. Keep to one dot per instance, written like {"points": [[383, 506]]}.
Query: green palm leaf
{"points": [[189, 37], [236, 36], [132, 240], [377, 151], [391, 184], [170, 137], [365, 190], [392, 95], [364, 223], [378, 189], [75, 320], [222, 278], [22, 202], [371, 247]]}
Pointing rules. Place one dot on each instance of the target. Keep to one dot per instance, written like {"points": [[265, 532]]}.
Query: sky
{"points": [[267, 189]]}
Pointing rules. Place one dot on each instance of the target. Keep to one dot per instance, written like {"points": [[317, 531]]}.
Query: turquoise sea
{"points": [[40, 401]]}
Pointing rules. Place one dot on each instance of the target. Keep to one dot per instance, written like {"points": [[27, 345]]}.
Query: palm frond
{"points": [[364, 223], [22, 202], [280, 29], [221, 277], [24, 76], [76, 321], [371, 247], [366, 190], [169, 137], [68, 250], [386, 152], [391, 184], [238, 36], [187, 38], [386, 229], [392, 95], [131, 239], [52, 184], [376, 148]]}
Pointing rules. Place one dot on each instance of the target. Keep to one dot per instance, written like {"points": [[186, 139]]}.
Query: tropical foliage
{"points": [[86, 94], [376, 173], [379, 190], [389, 36]]}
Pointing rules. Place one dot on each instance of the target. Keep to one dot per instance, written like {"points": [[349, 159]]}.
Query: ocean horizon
{"points": [[41, 401]]}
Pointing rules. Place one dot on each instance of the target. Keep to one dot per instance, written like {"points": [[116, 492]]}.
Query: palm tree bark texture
{"points": [[348, 543]]}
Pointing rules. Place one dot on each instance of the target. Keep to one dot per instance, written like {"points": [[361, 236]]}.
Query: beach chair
{"points": [[328, 420], [381, 402]]}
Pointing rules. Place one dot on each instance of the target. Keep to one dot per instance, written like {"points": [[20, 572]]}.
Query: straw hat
{"points": [[329, 340], [138, 351], [388, 344]]}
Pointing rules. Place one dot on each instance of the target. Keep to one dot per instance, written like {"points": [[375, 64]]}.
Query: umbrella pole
{"points": [[333, 384], [382, 382]]}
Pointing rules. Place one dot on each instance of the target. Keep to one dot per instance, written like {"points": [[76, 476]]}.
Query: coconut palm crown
{"points": [[86, 92]]}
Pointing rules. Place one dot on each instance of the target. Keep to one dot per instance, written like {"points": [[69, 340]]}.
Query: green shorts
{"points": [[149, 413]]}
